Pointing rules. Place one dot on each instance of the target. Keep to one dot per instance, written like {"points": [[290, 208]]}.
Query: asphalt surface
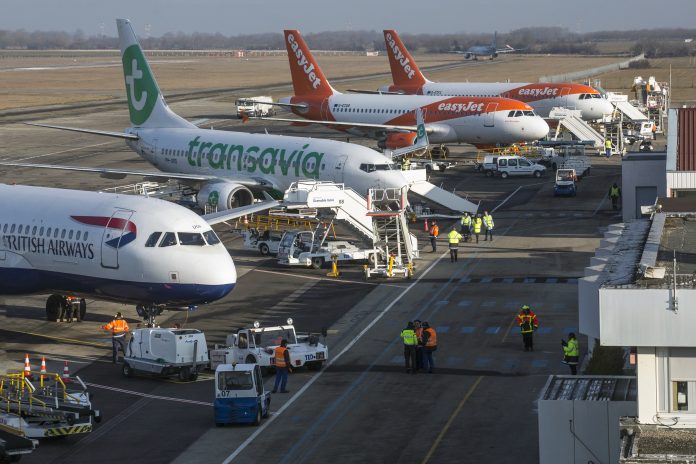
{"points": [[478, 405]]}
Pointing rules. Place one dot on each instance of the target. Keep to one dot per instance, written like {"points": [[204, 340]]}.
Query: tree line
{"points": [[654, 42]]}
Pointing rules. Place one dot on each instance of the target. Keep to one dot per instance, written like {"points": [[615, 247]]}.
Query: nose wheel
{"points": [[149, 313]]}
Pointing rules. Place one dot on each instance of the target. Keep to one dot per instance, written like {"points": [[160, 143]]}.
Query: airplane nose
{"points": [[540, 128]]}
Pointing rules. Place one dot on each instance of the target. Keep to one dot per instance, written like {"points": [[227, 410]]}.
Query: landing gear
{"points": [[148, 313], [54, 307], [441, 152], [68, 309]]}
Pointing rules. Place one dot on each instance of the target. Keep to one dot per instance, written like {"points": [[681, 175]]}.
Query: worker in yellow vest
{"points": [[408, 335], [614, 194], [488, 222], [607, 147], [571, 353], [429, 346], [477, 224], [466, 226], [453, 238]]}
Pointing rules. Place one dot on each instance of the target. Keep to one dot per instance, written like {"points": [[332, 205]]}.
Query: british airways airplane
{"points": [[123, 248]]}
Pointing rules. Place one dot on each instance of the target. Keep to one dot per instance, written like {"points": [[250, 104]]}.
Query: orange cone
{"points": [[66, 371], [43, 364], [27, 367]]}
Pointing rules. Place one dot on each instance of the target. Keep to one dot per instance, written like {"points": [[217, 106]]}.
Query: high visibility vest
{"points": [[432, 339], [409, 337], [419, 334], [466, 221], [435, 230], [607, 144], [488, 219], [614, 192], [477, 225], [571, 349], [527, 322], [117, 326], [280, 356], [454, 237]]}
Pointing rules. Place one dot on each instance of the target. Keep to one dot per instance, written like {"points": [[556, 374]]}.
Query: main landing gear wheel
{"points": [[54, 307], [83, 310]]}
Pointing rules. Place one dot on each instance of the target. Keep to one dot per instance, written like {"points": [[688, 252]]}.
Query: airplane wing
{"points": [[228, 215], [302, 106], [120, 135], [387, 127], [156, 176]]}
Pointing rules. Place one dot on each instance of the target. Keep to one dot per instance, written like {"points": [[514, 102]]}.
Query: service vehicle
{"points": [[266, 242], [166, 352], [240, 396], [256, 345], [310, 249], [565, 184], [255, 106], [431, 164], [505, 166], [569, 156]]}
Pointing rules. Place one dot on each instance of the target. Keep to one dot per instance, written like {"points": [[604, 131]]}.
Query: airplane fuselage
{"points": [[103, 245]]}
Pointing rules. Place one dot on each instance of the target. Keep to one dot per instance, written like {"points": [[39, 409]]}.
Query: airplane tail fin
{"points": [[307, 77], [421, 141], [146, 105], [403, 67]]}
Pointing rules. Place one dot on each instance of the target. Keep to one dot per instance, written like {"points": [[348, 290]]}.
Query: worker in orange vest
{"points": [[118, 328], [434, 232], [429, 346], [283, 366]]}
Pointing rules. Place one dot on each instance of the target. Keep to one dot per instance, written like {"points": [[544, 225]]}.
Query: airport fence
{"points": [[586, 73]]}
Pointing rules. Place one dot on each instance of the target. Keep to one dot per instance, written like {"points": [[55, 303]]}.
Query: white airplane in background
{"points": [[228, 168], [409, 80], [391, 119], [124, 248]]}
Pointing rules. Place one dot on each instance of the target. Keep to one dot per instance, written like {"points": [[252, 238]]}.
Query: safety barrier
{"points": [[578, 75]]}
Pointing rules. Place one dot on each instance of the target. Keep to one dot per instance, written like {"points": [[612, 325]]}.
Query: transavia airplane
{"points": [[409, 80], [229, 169], [492, 50], [390, 118], [123, 248]]}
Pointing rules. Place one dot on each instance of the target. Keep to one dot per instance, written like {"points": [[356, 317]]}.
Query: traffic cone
{"points": [[43, 370], [27, 367], [426, 224], [66, 371]]}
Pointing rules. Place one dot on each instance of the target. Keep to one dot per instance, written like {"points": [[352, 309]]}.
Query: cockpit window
{"points": [[511, 114], [191, 238], [211, 237], [168, 240], [595, 95], [152, 239], [529, 113], [367, 167]]}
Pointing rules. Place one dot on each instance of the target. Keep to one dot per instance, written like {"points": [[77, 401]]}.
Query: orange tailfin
{"points": [[307, 78], [404, 69]]}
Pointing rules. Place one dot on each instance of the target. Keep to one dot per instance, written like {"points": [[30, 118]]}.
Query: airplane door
{"points": [[564, 96], [338, 173], [114, 231], [489, 116]]}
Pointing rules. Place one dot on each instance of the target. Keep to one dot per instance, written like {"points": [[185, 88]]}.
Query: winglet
{"points": [[404, 69], [421, 141], [307, 77]]}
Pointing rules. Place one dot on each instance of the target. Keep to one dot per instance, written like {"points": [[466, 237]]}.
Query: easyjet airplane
{"points": [[391, 118], [542, 97]]}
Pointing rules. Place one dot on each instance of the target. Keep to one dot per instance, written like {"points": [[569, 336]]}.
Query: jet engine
{"points": [[398, 140], [224, 195]]}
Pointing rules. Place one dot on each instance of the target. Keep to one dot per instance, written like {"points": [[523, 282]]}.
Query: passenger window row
{"points": [[42, 231], [340, 109]]}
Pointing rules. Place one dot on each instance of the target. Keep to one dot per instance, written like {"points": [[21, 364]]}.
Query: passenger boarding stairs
{"points": [[571, 121]]}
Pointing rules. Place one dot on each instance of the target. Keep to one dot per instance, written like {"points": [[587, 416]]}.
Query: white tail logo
{"points": [[398, 54], [138, 103], [302, 62]]}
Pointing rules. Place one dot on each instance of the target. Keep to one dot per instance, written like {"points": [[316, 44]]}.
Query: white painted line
{"points": [[350, 345], [325, 279], [146, 395], [516, 190]]}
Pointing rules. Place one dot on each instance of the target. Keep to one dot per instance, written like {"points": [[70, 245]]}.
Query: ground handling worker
{"points": [[528, 323], [614, 194], [434, 232], [283, 366], [488, 222], [429, 346], [466, 226], [408, 335], [118, 328], [477, 223], [607, 147], [453, 238], [571, 353]]}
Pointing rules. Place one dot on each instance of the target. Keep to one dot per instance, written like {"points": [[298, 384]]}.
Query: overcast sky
{"points": [[231, 17]]}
